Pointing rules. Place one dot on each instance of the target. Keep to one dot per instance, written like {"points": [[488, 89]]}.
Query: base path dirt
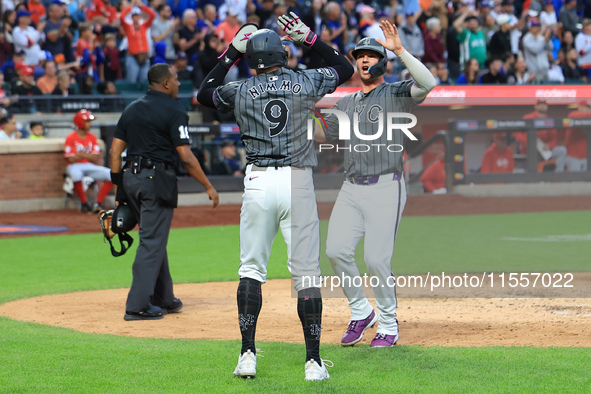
{"points": [[423, 321], [427, 322]]}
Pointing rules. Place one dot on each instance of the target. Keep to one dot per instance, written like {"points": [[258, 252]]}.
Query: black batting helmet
{"points": [[123, 219], [264, 49], [370, 44]]}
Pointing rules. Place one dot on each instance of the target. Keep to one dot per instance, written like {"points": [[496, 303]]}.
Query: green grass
{"points": [[36, 358], [48, 359]]}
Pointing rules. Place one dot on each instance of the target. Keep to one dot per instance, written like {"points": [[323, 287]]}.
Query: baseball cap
{"points": [[59, 58], [181, 55], [22, 13], [20, 52], [506, 2], [586, 21], [366, 9], [502, 19], [541, 101], [533, 22], [586, 103], [409, 13], [470, 18], [499, 135], [228, 142], [548, 2], [568, 1], [233, 12], [26, 70], [136, 10], [485, 4]]}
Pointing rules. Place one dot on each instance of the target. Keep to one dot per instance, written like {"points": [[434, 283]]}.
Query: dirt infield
{"points": [[210, 310]]}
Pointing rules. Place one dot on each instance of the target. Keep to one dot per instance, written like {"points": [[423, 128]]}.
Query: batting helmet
{"points": [[264, 49], [123, 219], [370, 44], [81, 117]]}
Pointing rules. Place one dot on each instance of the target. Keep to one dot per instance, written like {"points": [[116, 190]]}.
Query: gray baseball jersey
{"points": [[272, 111], [373, 157]]}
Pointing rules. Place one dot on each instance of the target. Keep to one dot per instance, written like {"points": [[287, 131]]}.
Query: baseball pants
{"points": [[279, 198], [152, 282], [77, 171], [374, 211]]}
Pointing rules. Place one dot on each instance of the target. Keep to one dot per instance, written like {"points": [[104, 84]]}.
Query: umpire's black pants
{"points": [[152, 282]]}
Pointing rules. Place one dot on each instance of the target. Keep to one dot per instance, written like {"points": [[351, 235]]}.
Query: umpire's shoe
{"points": [[247, 365], [152, 313], [175, 307]]}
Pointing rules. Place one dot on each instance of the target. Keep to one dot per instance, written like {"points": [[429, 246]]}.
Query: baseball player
{"points": [[83, 155], [270, 109], [373, 196]]}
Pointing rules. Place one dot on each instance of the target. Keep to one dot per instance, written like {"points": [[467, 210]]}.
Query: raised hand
{"points": [[296, 29], [392, 42]]}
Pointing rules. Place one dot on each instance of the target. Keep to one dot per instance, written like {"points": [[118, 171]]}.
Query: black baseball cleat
{"points": [[175, 307], [153, 313]]}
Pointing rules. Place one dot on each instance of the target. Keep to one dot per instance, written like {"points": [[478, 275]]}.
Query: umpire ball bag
{"points": [[118, 222]]}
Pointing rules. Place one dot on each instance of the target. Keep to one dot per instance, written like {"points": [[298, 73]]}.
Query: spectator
{"points": [[234, 5], [554, 70], [489, 27], [8, 22], [112, 69], [568, 17], [571, 68], [336, 20], [27, 38], [534, 44], [314, 17], [37, 10], [164, 29], [5, 48], [9, 130], [520, 75], [48, 82], [576, 140], [498, 158], [180, 66], [91, 61], [210, 18], [189, 36], [367, 21], [548, 14], [136, 62], [352, 22], [470, 75], [567, 40], [110, 104], [228, 28], [160, 53], [452, 42], [5, 102], [63, 87], [471, 36], [25, 87], [494, 75], [548, 146], [179, 7], [208, 58], [442, 77], [58, 37], [36, 131], [264, 11], [228, 164], [411, 36], [271, 22], [583, 45], [434, 45], [101, 12], [87, 86], [500, 43]]}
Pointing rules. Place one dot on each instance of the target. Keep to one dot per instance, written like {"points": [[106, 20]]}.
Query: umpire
{"points": [[151, 129]]}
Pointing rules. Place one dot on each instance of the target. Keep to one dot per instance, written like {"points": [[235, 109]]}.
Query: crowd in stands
{"points": [[92, 42]]}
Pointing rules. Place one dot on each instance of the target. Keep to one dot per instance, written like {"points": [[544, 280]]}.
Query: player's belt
{"points": [[137, 163], [259, 168], [372, 180]]}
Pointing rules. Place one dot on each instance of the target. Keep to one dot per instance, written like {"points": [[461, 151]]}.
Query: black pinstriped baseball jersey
{"points": [[377, 160], [272, 111]]}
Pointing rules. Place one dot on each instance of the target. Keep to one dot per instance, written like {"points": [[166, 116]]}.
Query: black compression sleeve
{"points": [[214, 79], [334, 60]]}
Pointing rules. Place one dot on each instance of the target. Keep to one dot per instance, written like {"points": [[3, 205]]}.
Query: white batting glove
{"points": [[296, 29], [241, 38]]}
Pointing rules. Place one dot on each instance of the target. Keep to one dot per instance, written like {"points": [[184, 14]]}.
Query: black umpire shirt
{"points": [[153, 126]]}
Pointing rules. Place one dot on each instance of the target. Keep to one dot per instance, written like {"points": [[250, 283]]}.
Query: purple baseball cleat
{"points": [[384, 340], [355, 330]]}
